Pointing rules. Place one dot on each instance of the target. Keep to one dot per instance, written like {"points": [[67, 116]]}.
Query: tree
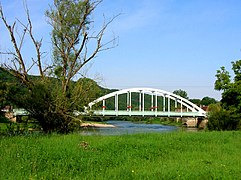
{"points": [[51, 102], [221, 119], [223, 79], [231, 89], [5, 79], [229, 115], [196, 101], [207, 101], [181, 93], [2, 93], [72, 37]]}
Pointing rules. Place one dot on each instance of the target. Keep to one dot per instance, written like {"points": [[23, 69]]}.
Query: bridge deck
{"points": [[147, 113], [22, 112]]}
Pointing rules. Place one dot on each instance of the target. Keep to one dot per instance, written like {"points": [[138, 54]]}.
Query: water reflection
{"points": [[127, 127]]}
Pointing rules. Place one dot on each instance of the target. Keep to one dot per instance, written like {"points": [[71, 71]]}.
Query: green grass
{"points": [[177, 155]]}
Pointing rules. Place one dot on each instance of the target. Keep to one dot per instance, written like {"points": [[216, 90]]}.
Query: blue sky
{"points": [[164, 44]]}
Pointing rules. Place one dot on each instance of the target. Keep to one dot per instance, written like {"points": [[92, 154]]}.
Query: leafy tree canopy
{"points": [[52, 98], [181, 93], [196, 101], [231, 96], [207, 101], [229, 116]]}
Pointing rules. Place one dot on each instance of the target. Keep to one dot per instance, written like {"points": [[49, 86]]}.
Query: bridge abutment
{"points": [[193, 122]]}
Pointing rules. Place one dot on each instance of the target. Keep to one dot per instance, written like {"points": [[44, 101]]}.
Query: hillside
{"points": [[7, 78], [92, 90]]}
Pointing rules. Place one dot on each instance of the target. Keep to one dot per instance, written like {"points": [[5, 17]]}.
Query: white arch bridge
{"points": [[161, 103]]}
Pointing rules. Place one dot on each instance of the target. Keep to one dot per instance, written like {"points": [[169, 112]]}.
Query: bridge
{"points": [[161, 104], [144, 102]]}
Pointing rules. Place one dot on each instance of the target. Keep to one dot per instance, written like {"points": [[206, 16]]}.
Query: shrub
{"points": [[222, 119]]}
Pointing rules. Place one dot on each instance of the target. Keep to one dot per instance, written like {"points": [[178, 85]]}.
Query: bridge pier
{"points": [[193, 122]]}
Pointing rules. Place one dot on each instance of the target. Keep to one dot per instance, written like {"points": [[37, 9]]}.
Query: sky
{"points": [[163, 44]]}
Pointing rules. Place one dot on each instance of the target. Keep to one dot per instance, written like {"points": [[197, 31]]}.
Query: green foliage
{"points": [[3, 119], [8, 128], [196, 101], [52, 101], [2, 93], [83, 92], [40, 102], [5, 79], [231, 98], [221, 119], [207, 101], [46, 104], [223, 79], [179, 155], [70, 20], [230, 114], [181, 93], [237, 70], [215, 107]]}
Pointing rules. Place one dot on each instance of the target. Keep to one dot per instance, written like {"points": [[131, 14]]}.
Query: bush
{"points": [[223, 120]]}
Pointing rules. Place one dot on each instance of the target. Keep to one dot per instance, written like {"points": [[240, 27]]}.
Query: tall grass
{"points": [[176, 155]]}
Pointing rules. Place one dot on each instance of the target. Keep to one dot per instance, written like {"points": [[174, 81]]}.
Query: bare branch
{"points": [[34, 62], [99, 46], [17, 53], [113, 41], [36, 43]]}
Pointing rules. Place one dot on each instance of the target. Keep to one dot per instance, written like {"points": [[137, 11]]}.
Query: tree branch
{"points": [[17, 53], [36, 43]]}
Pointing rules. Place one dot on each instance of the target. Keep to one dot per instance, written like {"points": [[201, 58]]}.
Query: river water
{"points": [[127, 127]]}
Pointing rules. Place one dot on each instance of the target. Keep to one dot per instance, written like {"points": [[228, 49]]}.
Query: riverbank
{"points": [[97, 125], [148, 120], [175, 155]]}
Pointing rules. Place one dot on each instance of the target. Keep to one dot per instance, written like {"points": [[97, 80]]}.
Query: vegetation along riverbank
{"points": [[176, 155], [45, 95]]}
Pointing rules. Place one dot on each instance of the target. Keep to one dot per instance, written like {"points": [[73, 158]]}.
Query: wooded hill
{"points": [[9, 81]]}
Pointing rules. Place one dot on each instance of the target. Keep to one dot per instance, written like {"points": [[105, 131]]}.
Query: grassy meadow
{"points": [[175, 155]]}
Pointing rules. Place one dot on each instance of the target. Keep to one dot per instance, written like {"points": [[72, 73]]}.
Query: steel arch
{"points": [[155, 92]]}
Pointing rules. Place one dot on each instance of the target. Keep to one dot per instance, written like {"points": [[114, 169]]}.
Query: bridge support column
{"points": [[130, 102], [181, 107], [103, 107], [175, 103], [156, 105], [143, 103], [164, 103], [116, 104], [140, 101], [127, 101]]}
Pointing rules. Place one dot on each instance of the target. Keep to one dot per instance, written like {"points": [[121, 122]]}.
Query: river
{"points": [[127, 127]]}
